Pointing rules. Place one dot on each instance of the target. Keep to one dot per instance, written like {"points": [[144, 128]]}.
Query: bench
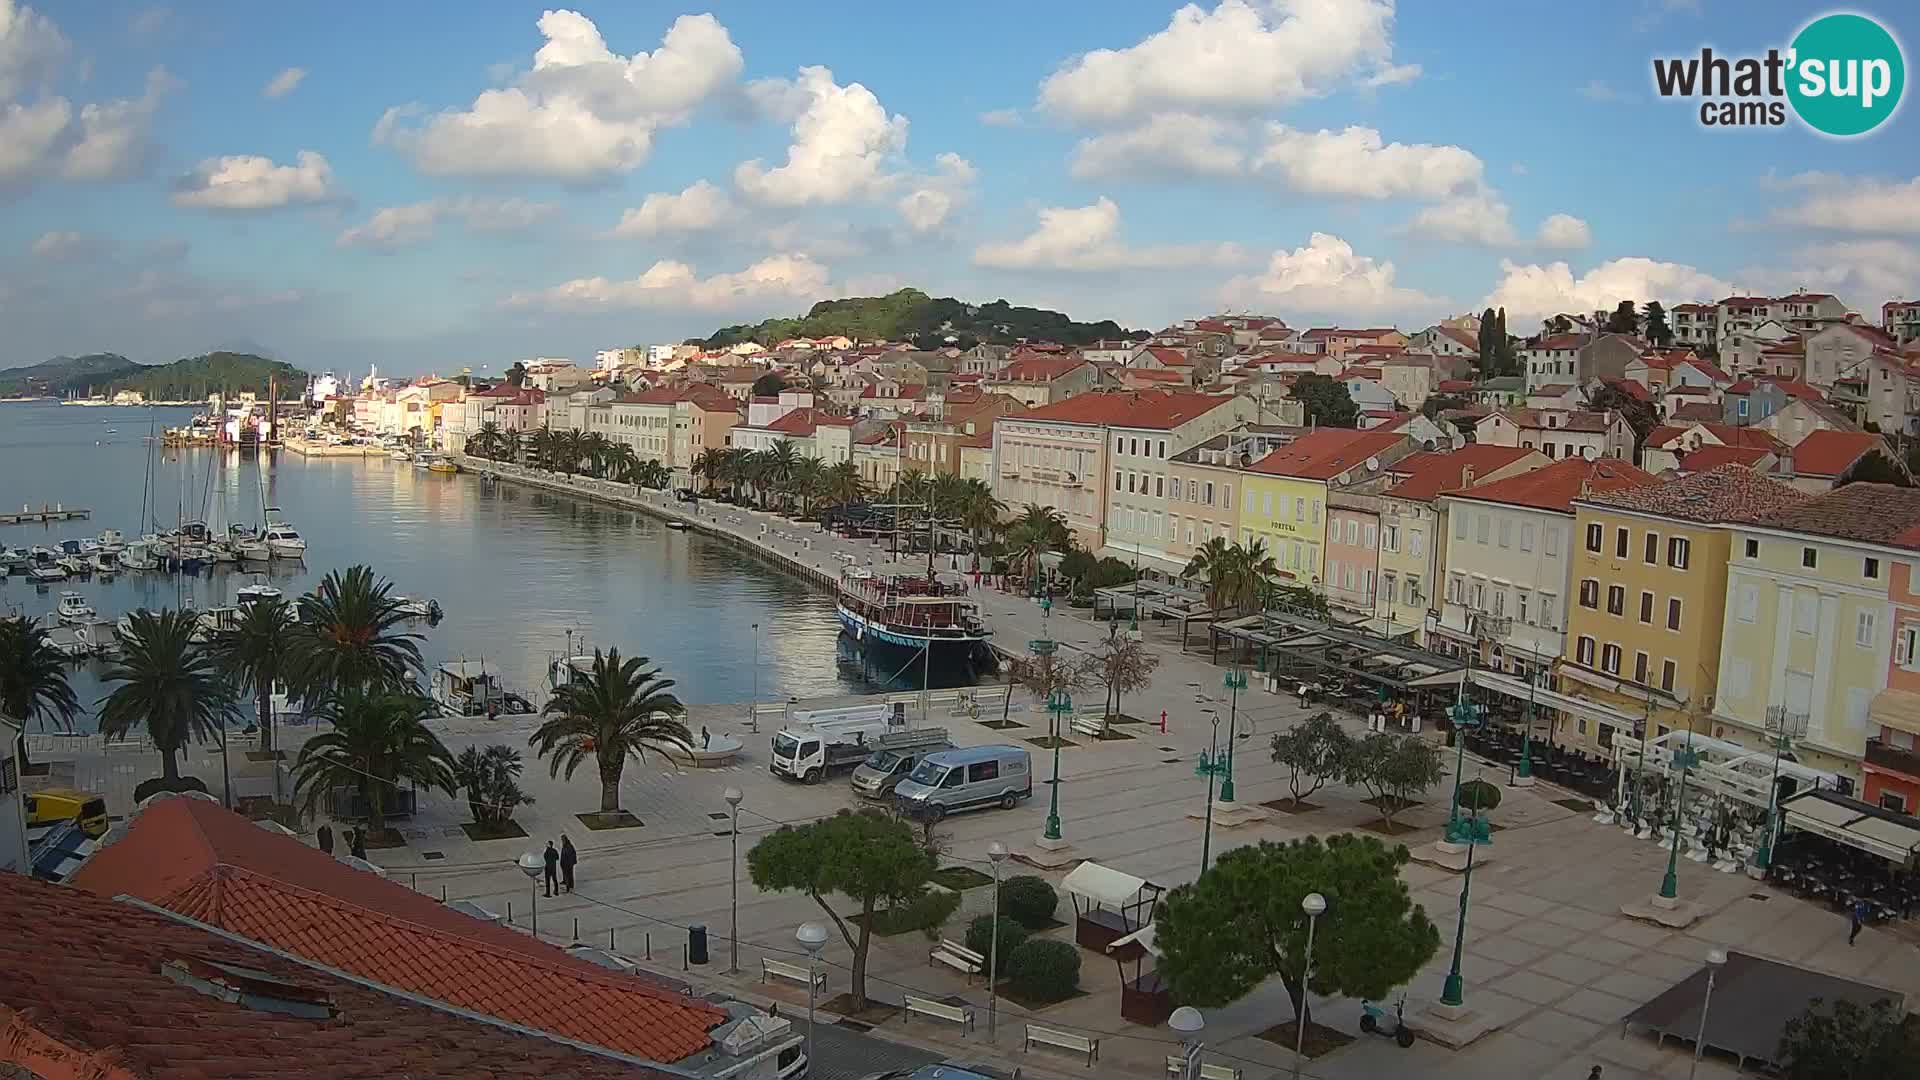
{"points": [[1093, 727], [774, 969], [1065, 1040], [958, 957], [939, 1010], [1177, 1066]]}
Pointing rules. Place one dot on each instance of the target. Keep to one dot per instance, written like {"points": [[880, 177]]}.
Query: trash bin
{"points": [[696, 944]]}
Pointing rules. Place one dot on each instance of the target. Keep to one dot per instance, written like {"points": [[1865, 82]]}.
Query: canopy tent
{"points": [[1753, 1001], [1144, 998], [1165, 599], [1380, 662], [1726, 768], [1108, 904], [1893, 837]]}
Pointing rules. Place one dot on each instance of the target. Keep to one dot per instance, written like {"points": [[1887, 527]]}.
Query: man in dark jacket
{"points": [[568, 857], [553, 869], [325, 838]]}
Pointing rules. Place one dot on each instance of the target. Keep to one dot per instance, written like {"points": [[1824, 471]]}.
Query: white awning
{"points": [[1103, 885], [1897, 709], [1855, 824], [1144, 937]]}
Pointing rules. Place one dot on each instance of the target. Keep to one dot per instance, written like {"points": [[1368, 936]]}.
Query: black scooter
{"points": [[1374, 1019]]}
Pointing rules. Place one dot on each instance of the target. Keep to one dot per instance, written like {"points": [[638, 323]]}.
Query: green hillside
{"points": [[911, 315], [62, 373], [192, 378]]}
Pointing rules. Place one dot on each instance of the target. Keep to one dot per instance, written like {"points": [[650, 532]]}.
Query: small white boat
{"points": [[400, 455], [259, 590], [253, 550], [74, 609], [74, 565], [283, 542], [418, 609], [213, 621], [111, 540], [46, 571], [222, 552], [140, 555], [106, 562]]}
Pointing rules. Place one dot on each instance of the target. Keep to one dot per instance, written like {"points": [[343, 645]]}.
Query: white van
{"points": [[955, 780]]}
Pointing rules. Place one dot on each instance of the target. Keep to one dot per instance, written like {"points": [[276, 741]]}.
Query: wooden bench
{"points": [[1093, 727], [1065, 1040], [958, 957], [1177, 1066], [939, 1010], [774, 969]]}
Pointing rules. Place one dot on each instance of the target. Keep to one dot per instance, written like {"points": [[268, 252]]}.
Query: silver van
{"points": [[955, 780], [884, 769]]}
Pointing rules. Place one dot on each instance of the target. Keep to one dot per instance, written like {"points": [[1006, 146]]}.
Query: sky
{"points": [[440, 185]]}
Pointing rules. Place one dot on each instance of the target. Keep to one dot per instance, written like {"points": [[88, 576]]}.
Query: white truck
{"points": [[818, 741]]}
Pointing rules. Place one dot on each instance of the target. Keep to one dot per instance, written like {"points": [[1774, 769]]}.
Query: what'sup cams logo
{"points": [[1842, 76]]}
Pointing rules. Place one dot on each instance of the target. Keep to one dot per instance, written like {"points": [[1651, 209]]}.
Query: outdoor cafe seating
{"points": [[1573, 769], [1837, 851]]}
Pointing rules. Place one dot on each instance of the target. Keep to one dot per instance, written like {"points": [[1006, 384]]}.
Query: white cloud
{"points": [[284, 83], [1861, 272], [112, 139], [1480, 219], [1008, 118], [1392, 76], [843, 143], [935, 197], [581, 112], [1564, 231], [925, 209], [51, 136], [1358, 163], [1533, 291], [31, 48], [394, 227], [65, 246], [1602, 91], [252, 182], [671, 284], [1088, 238], [699, 208], [1169, 143], [1326, 277], [1853, 204], [1242, 55]]}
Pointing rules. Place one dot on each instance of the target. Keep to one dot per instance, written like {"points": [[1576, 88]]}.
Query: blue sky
{"points": [[434, 185]]}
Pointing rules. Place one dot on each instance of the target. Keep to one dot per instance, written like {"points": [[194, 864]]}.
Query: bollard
{"points": [[649, 944], [1163, 721], [684, 965], [576, 928], [413, 882], [609, 939], [443, 894], [509, 911]]}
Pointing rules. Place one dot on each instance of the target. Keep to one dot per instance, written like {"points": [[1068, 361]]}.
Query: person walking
{"points": [[553, 869], [325, 838], [1595, 1074], [568, 858], [359, 848], [1858, 915]]}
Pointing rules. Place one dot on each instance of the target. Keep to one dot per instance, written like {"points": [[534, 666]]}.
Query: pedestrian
{"points": [[1595, 1074], [553, 868], [706, 738], [1859, 916], [359, 849], [325, 837], [568, 857]]}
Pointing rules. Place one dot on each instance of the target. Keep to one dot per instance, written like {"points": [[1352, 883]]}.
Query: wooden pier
{"points": [[30, 516]]}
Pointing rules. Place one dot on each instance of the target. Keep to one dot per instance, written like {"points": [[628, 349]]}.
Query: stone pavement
{"points": [[1547, 951]]}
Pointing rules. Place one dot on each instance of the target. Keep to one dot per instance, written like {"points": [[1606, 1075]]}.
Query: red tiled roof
{"points": [[1692, 307], [1725, 434], [1727, 493], [84, 991], [1154, 375], [1633, 388], [1791, 387], [1560, 341], [1427, 475], [209, 864], [1711, 457], [1451, 386], [1039, 368], [709, 398], [798, 422], [1696, 412], [1710, 369], [1871, 513], [1556, 486], [1830, 453], [1326, 453], [1170, 357], [1129, 408]]}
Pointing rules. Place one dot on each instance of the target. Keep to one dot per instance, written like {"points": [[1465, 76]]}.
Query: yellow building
{"points": [[1647, 596], [1284, 495]]}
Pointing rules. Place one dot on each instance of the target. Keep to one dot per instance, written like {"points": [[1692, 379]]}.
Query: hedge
{"points": [[1479, 795], [1029, 901], [980, 937], [1043, 970]]}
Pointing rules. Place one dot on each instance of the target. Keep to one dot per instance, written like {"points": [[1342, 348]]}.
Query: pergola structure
{"points": [[1737, 772], [1314, 647], [1161, 598]]}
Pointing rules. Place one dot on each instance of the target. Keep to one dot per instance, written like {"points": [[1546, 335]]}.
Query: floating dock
{"points": [[30, 516]]}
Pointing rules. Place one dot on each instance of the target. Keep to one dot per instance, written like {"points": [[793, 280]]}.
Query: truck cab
{"points": [[55, 805]]}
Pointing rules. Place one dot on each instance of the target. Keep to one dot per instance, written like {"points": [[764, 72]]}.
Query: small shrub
{"points": [[1479, 795], [927, 914], [980, 937], [1029, 901], [160, 784], [1044, 970]]}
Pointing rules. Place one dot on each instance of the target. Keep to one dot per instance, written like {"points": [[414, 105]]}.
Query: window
{"points": [[1479, 596], [1749, 609], [1809, 558], [1316, 512], [1616, 600], [1266, 504], [1673, 613], [1906, 642], [1416, 542], [1413, 590], [1590, 594], [1459, 524], [1389, 586], [1871, 571], [1583, 651], [1753, 549], [1553, 539], [1483, 527], [1133, 447], [1456, 590], [1806, 608], [1162, 455], [1390, 537], [1368, 540], [1610, 658], [1864, 625], [1640, 668], [1506, 532], [1299, 509], [1678, 549], [1620, 542], [1159, 487], [1894, 801], [1353, 532], [1499, 602], [983, 770], [1248, 506], [1226, 495], [1596, 536], [1666, 675], [1526, 536], [1652, 556], [1209, 492]]}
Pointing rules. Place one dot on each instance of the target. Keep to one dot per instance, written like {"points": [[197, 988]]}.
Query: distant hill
{"points": [[192, 378], [911, 315]]}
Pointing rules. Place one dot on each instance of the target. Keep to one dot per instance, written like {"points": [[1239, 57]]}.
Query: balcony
{"points": [[1894, 759]]}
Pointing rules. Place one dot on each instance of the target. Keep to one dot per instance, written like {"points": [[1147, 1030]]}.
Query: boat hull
{"points": [[876, 634]]}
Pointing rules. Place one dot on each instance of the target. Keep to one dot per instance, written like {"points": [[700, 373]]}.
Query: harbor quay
{"points": [[1549, 961]]}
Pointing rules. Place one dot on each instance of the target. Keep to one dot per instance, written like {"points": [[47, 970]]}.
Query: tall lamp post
{"points": [[996, 854], [1189, 1023], [753, 710], [734, 796], [1474, 832], [1466, 717], [1059, 703], [812, 937], [1716, 959], [1314, 905], [1235, 680], [1212, 763], [1684, 759], [1782, 728]]}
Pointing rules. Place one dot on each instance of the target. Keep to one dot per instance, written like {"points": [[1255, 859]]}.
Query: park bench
{"points": [[774, 969], [1093, 727], [939, 1010], [958, 957], [1177, 1066], [1065, 1040]]}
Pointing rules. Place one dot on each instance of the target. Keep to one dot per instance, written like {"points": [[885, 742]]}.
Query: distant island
{"points": [[911, 315], [189, 379]]}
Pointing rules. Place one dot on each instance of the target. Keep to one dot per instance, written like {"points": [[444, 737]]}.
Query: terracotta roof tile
{"points": [[1871, 513], [195, 858], [1727, 493], [87, 985], [1556, 486], [1697, 412], [1830, 453], [1711, 457], [1130, 408], [1666, 435], [1791, 387], [1039, 368], [1427, 475], [1326, 453]]}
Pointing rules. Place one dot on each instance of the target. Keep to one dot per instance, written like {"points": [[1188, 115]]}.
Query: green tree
{"points": [[1558, 324], [769, 385], [1125, 666], [1314, 751], [351, 634], [1876, 468], [1489, 344], [1658, 332], [865, 856], [1848, 1041], [167, 685], [1623, 320], [1503, 346], [980, 935], [1436, 403], [1394, 769], [33, 677], [1326, 401], [1240, 924], [619, 709], [1640, 415], [378, 738], [517, 374], [491, 780], [258, 652]]}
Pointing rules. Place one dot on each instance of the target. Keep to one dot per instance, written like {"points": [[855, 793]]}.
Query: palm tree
{"points": [[33, 677], [708, 465], [350, 635], [486, 442], [980, 513], [1258, 574], [260, 650], [948, 493], [619, 709], [841, 485], [809, 476], [781, 459], [1038, 530], [508, 447], [618, 461], [490, 778], [542, 449], [379, 737], [166, 685], [1215, 563]]}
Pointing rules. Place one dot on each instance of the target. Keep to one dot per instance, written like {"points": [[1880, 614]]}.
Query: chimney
{"points": [[1466, 476]]}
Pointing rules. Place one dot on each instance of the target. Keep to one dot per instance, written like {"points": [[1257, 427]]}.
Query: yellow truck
{"points": [[55, 805]]}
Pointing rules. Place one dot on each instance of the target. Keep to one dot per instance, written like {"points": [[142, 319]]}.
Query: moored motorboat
{"points": [[46, 569], [106, 562], [74, 610], [418, 609], [139, 555], [255, 592], [74, 565]]}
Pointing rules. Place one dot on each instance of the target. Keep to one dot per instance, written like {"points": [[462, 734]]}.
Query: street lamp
{"points": [[734, 796], [1059, 705], [1235, 681], [1189, 1023], [1474, 832], [1683, 759], [1314, 905], [753, 709], [1782, 728], [996, 854], [532, 864], [1466, 716], [1212, 764], [1716, 959], [812, 937]]}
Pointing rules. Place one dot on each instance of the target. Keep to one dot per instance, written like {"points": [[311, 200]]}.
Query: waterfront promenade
{"points": [[1547, 956]]}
